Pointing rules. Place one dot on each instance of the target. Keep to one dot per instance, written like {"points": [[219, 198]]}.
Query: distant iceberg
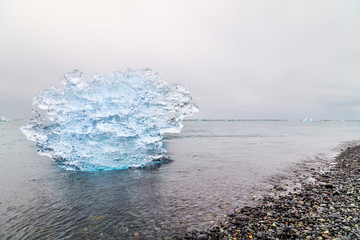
{"points": [[307, 120], [2, 119], [111, 121]]}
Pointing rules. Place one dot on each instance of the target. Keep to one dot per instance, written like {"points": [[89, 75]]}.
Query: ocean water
{"points": [[218, 166]]}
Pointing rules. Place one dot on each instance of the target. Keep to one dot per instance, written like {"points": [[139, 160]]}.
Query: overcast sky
{"points": [[240, 59]]}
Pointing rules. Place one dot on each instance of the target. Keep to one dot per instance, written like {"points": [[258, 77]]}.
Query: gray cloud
{"points": [[241, 59]]}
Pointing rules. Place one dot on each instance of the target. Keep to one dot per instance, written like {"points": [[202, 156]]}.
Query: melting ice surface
{"points": [[111, 121]]}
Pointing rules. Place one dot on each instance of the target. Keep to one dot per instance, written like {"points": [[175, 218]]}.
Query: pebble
{"points": [[202, 237], [336, 215]]}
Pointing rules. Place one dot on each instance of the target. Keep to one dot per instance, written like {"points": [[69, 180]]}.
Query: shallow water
{"points": [[218, 165]]}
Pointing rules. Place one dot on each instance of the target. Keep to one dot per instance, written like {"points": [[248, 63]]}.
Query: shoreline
{"points": [[319, 204]]}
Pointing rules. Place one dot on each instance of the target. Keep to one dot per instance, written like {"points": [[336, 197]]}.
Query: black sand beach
{"points": [[326, 206]]}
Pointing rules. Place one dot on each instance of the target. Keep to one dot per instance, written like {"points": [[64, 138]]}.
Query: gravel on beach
{"points": [[326, 206]]}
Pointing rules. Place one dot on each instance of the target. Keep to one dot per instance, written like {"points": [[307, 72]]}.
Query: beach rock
{"points": [[336, 215], [202, 237]]}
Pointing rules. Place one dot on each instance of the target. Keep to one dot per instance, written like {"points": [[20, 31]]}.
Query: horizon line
{"points": [[237, 119]]}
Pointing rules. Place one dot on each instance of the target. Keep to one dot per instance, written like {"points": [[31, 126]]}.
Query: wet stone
{"points": [[336, 215], [202, 237]]}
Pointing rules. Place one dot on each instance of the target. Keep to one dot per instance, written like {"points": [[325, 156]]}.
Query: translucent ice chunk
{"points": [[111, 121]]}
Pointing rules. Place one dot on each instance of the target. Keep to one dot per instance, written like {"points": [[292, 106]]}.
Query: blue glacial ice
{"points": [[109, 122]]}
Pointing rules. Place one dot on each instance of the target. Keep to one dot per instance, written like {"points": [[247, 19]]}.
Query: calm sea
{"points": [[218, 165]]}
